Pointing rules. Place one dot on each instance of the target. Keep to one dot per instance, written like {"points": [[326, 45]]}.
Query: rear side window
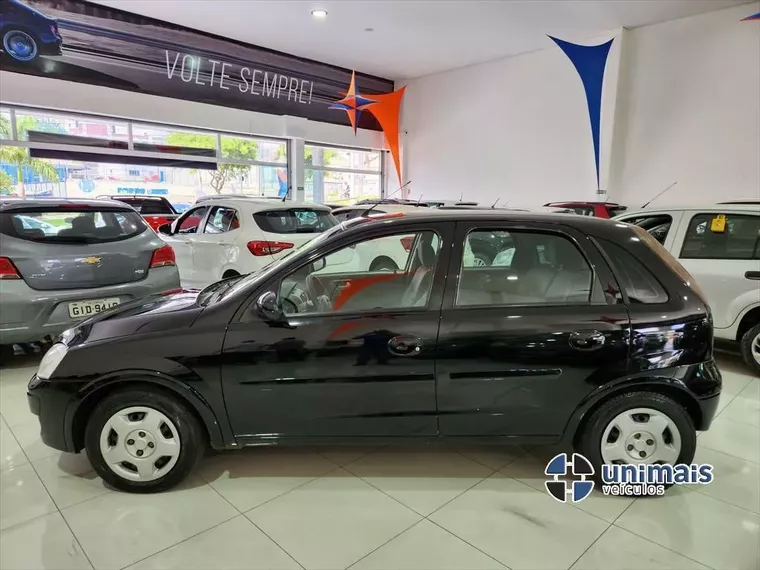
{"points": [[737, 239], [616, 210], [69, 225], [295, 221], [658, 225], [636, 280]]}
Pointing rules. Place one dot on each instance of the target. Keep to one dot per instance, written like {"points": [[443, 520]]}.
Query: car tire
{"points": [[20, 45], [597, 429], [151, 424], [481, 260], [750, 348], [383, 264]]}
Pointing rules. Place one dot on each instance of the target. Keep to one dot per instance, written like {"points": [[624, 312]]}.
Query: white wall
{"points": [[690, 111], [684, 97]]}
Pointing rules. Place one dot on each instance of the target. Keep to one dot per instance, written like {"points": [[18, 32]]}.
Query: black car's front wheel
{"points": [[638, 427], [20, 45], [143, 441]]}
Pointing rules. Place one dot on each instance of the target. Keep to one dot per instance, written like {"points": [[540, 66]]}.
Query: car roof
{"points": [[709, 208], [21, 203], [382, 207], [259, 204]]}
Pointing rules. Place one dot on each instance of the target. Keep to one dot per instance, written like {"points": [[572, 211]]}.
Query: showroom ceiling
{"points": [[411, 38]]}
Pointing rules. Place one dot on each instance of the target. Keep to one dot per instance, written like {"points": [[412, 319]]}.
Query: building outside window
{"points": [[336, 175], [244, 165]]}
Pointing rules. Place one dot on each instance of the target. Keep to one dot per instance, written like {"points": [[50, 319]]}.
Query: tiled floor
{"points": [[375, 509]]}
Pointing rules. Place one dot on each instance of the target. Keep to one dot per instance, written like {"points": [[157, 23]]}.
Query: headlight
{"points": [[51, 360]]}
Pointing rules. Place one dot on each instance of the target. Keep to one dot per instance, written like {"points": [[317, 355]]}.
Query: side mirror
{"points": [[268, 307], [165, 229]]}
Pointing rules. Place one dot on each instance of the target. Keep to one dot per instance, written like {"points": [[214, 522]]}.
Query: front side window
{"points": [[525, 268], [188, 224], [722, 236], [221, 220], [389, 272]]}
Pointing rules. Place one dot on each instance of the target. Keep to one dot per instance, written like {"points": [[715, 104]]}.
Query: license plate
{"points": [[82, 309]]}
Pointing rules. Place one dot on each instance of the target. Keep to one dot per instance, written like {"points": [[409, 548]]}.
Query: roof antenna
{"points": [[658, 195], [420, 200], [493, 206], [388, 196], [461, 197]]}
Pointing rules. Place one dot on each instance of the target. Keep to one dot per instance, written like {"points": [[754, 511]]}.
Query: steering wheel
{"points": [[315, 288]]}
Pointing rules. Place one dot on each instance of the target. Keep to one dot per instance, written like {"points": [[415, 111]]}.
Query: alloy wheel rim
{"points": [[756, 348], [20, 45], [641, 435], [479, 262], [140, 444]]}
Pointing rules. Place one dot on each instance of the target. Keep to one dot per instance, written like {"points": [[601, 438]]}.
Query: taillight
{"points": [[407, 243], [7, 269], [162, 257], [260, 248], [54, 29]]}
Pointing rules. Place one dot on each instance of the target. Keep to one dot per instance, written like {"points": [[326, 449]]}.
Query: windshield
{"points": [[59, 224]]}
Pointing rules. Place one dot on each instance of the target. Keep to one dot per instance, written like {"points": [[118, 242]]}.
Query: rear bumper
{"points": [[29, 315]]}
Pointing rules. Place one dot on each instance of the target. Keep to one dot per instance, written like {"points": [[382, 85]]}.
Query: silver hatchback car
{"points": [[62, 261]]}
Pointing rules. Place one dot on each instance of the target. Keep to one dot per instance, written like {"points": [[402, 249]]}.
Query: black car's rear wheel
{"points": [[20, 45], [142, 441], [638, 428]]}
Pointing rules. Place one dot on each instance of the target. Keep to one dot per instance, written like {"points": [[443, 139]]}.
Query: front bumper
{"points": [[30, 315], [49, 405]]}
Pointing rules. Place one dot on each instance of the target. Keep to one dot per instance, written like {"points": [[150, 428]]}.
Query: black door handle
{"points": [[586, 340], [405, 345], [755, 275]]}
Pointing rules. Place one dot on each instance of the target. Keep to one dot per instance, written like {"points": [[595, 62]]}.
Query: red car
{"points": [[595, 209], [155, 210]]}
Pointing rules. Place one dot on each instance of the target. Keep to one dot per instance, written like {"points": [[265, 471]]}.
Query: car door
{"points": [[182, 239], [522, 342], [353, 353], [214, 247], [724, 260]]}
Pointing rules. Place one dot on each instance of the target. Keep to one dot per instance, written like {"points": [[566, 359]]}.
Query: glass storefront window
{"points": [[71, 125], [253, 149], [5, 123], [341, 176]]}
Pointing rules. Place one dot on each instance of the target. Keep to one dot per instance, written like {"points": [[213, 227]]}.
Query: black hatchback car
{"points": [[587, 333]]}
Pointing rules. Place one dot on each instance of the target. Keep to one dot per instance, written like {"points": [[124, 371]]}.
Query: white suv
{"points": [[720, 246], [223, 237]]}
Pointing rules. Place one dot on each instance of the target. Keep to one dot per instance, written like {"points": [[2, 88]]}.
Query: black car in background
{"points": [[592, 335], [26, 33]]}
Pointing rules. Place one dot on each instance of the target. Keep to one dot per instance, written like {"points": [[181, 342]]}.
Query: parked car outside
{"points": [[156, 210], [596, 209], [572, 330], [98, 255], [720, 246], [221, 237], [26, 33]]}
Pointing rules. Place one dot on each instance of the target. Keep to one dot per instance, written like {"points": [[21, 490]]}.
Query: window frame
{"points": [[444, 230], [624, 298], [754, 253], [601, 273], [178, 222], [209, 217]]}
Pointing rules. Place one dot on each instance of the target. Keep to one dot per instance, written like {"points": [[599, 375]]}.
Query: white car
{"points": [[218, 238], [720, 247]]}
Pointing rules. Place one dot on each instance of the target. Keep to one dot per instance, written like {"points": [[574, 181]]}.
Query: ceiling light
{"points": [[319, 14]]}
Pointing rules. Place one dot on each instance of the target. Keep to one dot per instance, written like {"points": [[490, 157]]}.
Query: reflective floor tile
{"points": [[530, 470], [250, 477], [736, 481], [422, 480], [332, 522], [28, 437], [733, 438], [492, 456], [426, 546], [745, 410], [521, 527], [618, 549], [752, 390], [69, 479], [45, 543], [22, 496], [11, 454], [702, 528], [234, 545], [15, 410], [735, 379], [344, 454], [118, 529]]}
